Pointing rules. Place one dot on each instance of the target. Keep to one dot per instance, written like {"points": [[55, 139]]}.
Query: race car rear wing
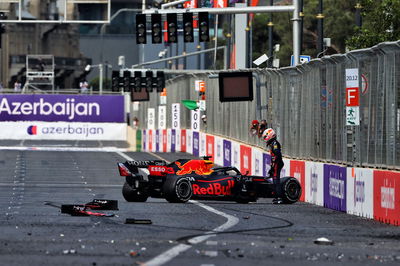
{"points": [[131, 167]]}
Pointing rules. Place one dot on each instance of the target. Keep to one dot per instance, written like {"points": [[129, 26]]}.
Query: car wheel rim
{"points": [[292, 190], [183, 189]]}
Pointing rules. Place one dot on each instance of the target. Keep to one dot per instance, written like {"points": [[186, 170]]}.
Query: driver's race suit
{"points": [[276, 164]]}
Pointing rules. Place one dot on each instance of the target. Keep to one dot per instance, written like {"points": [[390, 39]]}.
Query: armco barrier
{"points": [[358, 191]]}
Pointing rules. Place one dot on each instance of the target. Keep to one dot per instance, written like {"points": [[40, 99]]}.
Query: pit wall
{"points": [[364, 192]]}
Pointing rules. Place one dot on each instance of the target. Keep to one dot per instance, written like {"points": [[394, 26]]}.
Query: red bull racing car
{"points": [[187, 179]]}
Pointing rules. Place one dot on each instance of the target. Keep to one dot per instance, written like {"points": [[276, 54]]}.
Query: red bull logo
{"points": [[200, 167], [214, 189]]}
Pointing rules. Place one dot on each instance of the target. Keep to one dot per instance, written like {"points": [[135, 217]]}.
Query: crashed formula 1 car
{"points": [[187, 179]]}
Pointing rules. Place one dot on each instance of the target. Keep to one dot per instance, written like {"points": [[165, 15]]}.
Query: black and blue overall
{"points": [[276, 164]]}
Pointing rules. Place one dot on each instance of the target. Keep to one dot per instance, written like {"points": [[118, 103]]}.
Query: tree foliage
{"points": [[381, 22]]}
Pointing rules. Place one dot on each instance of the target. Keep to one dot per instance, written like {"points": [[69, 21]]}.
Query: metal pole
{"points": [[177, 53], [296, 35], [358, 15], [216, 40], [101, 79], [301, 25], [185, 58], [258, 95], [225, 10], [175, 57], [270, 36], [320, 17], [229, 42], [198, 56], [106, 74]]}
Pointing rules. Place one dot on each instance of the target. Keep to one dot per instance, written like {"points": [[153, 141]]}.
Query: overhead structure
{"points": [[295, 8], [66, 11]]}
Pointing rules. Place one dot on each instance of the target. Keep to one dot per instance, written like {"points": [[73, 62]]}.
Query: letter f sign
{"points": [[352, 97]]}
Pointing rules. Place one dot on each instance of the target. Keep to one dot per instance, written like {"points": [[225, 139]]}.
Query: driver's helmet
{"points": [[268, 135]]}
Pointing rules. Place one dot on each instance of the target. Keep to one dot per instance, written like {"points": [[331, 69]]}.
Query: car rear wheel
{"points": [[177, 189], [291, 190], [133, 195]]}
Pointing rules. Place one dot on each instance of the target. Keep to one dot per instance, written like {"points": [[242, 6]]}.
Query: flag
{"points": [[191, 105]]}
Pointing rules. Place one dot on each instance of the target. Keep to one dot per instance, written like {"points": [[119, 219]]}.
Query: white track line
{"points": [[173, 252], [178, 249]]}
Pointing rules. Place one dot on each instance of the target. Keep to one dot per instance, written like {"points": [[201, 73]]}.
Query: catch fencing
{"points": [[306, 105]]}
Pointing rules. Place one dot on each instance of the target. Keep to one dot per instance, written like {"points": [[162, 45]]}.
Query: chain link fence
{"points": [[306, 105]]}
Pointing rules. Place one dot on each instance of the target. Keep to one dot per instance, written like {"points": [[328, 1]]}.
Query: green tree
{"points": [[338, 21], [381, 22]]}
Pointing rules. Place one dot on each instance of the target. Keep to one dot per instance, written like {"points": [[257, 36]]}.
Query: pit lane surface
{"points": [[33, 233]]}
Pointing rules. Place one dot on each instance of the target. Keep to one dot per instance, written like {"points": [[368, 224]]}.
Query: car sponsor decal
{"points": [[214, 188], [200, 167]]}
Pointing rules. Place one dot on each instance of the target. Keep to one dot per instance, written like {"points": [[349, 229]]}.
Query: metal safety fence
{"points": [[306, 105]]}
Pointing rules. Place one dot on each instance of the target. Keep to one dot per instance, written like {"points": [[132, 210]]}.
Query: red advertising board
{"points": [[210, 146], [150, 148], [245, 159], [183, 140], [352, 97], [387, 197], [297, 170], [164, 140]]}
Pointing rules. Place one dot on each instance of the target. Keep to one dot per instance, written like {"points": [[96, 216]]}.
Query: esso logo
{"points": [[157, 169]]}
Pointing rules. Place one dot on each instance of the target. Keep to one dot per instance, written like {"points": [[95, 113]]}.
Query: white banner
{"points": [[62, 130], [314, 180], [177, 140], [218, 151], [169, 140], [203, 144], [176, 116], [257, 161], [286, 168], [151, 117], [162, 117], [360, 188], [189, 141], [235, 154], [153, 140]]}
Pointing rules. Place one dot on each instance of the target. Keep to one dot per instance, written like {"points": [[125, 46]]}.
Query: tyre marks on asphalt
{"points": [[178, 249], [18, 189], [175, 251]]}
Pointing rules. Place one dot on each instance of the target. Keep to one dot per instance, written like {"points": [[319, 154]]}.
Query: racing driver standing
{"points": [[269, 136]]}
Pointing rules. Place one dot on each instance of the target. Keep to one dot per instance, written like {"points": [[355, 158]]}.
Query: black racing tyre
{"points": [[133, 195], [291, 190], [177, 189]]}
